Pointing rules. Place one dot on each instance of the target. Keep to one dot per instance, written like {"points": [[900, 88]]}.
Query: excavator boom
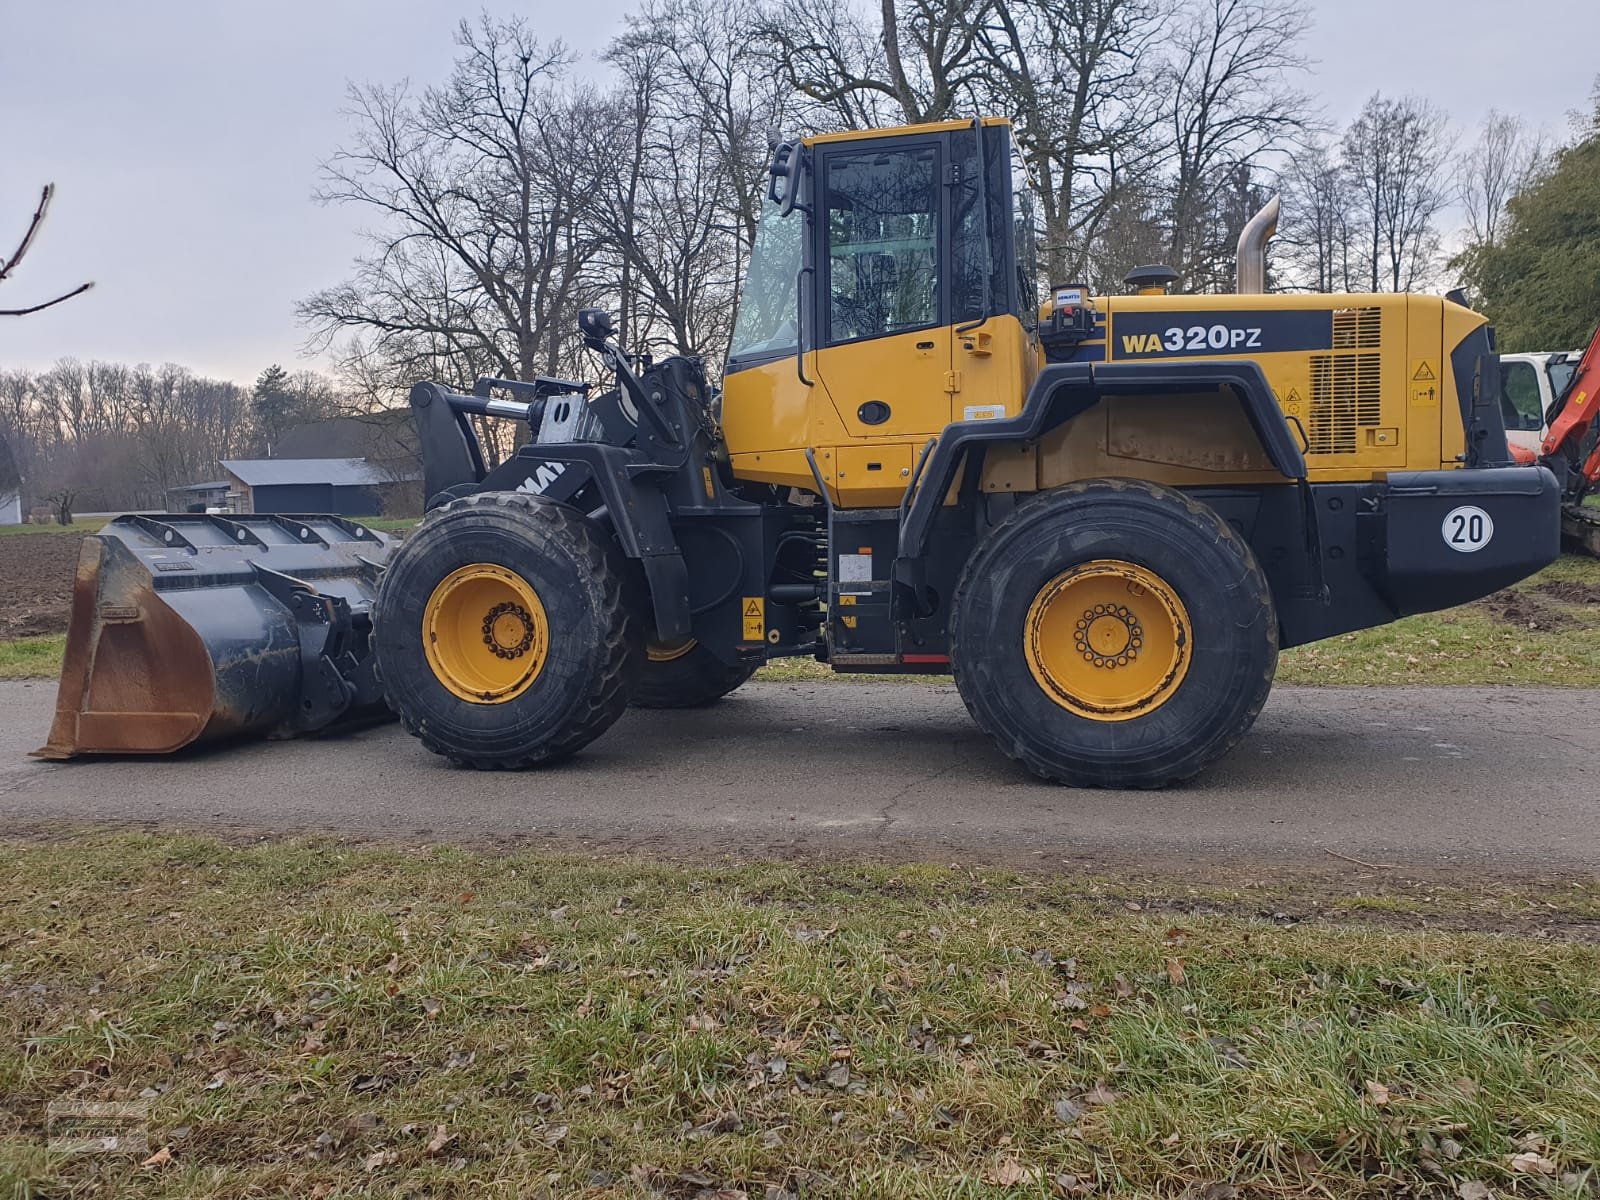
{"points": [[1570, 451], [1574, 412]]}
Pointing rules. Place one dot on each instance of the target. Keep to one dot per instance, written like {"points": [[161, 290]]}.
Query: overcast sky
{"points": [[184, 137]]}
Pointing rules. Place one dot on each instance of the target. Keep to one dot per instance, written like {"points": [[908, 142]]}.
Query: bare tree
{"points": [[17, 255], [1506, 156], [1075, 77], [1315, 238], [1227, 101], [471, 271], [1395, 154], [914, 61]]}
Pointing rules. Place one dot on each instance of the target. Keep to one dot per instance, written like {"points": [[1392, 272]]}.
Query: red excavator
{"points": [[1572, 451]]}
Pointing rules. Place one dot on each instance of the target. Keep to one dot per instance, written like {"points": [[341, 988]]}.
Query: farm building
{"points": [[197, 497], [350, 487]]}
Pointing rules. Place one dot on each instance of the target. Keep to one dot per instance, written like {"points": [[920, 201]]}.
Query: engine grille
{"points": [[1346, 392]]}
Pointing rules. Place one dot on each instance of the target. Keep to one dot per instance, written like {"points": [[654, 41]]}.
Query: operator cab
{"points": [[883, 301]]}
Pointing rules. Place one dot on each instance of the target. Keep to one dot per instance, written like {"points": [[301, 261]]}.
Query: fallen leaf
{"points": [[379, 1158], [1175, 970], [1171, 1140], [1230, 1054], [1124, 988], [550, 1135], [1100, 1094], [1450, 1148], [1307, 1161], [728, 1122], [838, 1075], [1067, 1111], [1008, 1172], [160, 1158], [1377, 1093], [441, 1138], [1473, 1189], [1530, 1163], [1218, 1191], [431, 1007]]}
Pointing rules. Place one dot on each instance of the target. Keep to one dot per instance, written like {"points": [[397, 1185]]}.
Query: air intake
{"points": [[1346, 385]]}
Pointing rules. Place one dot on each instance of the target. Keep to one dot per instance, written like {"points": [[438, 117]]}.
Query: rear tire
{"points": [[687, 677], [548, 664], [1114, 633]]}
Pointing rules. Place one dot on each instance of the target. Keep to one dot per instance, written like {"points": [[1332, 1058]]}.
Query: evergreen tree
{"points": [[273, 405], [1541, 284]]}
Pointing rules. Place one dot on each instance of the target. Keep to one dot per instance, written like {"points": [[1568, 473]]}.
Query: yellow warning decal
{"points": [[755, 618], [711, 491], [1424, 372]]}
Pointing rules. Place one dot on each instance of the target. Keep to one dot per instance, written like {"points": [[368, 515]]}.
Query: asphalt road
{"points": [[1501, 782]]}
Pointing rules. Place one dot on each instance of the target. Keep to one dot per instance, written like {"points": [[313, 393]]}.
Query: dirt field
{"points": [[36, 583]]}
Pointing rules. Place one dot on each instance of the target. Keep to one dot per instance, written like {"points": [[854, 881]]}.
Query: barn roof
{"points": [[341, 472]]}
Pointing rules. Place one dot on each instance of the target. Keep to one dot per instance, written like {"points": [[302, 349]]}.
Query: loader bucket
{"points": [[191, 627]]}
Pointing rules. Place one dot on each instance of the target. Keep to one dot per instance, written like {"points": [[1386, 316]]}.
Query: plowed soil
{"points": [[1570, 591], [1525, 610], [36, 571]]}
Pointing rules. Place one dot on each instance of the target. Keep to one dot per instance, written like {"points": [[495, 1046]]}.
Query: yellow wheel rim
{"points": [[485, 633], [1108, 640], [659, 652]]}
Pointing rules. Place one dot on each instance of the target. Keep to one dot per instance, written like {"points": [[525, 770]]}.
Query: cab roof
{"points": [[856, 135]]}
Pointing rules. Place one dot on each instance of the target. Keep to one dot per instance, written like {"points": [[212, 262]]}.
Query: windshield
{"points": [[1560, 376], [765, 327]]}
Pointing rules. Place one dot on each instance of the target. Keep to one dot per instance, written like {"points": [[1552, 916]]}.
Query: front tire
{"points": [[1114, 633], [503, 634]]}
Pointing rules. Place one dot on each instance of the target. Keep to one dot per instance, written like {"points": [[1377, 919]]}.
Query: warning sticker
{"points": [[755, 618], [856, 568], [1424, 372]]}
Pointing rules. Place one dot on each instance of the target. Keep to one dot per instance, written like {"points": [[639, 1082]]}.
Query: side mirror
{"points": [[595, 325], [785, 169]]}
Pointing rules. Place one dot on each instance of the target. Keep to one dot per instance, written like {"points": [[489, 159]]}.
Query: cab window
{"points": [[1523, 407], [766, 326], [881, 229]]}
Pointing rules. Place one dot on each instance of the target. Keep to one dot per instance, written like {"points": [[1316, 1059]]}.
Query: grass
{"points": [[32, 658], [80, 528], [320, 1020]]}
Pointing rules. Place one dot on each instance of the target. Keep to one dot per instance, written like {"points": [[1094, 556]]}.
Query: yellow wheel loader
{"points": [[1104, 516]]}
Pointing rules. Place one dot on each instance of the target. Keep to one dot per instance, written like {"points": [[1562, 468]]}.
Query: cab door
{"points": [[883, 335]]}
